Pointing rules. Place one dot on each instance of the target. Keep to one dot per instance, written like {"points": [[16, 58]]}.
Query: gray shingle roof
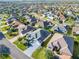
{"points": [[70, 43], [1, 36]]}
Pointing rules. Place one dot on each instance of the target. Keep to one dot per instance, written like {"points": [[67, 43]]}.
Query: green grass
{"points": [[39, 53], [20, 45], [70, 21], [46, 18], [11, 35], [5, 28], [69, 31], [76, 38], [5, 56], [8, 36], [46, 42], [3, 22]]}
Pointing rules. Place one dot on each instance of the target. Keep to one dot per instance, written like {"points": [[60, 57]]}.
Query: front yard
{"points": [[19, 43], [5, 28], [5, 56], [8, 36]]}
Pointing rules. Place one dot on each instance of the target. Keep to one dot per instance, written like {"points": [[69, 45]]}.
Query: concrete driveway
{"points": [[14, 51], [31, 49]]}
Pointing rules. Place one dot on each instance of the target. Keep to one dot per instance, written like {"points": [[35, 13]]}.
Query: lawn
{"points": [[20, 45], [39, 53], [8, 36], [5, 28], [3, 22], [70, 21], [4, 56], [69, 31], [45, 18], [76, 38]]}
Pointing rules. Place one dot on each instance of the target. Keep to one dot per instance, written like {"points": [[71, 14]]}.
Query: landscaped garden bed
{"points": [[19, 43]]}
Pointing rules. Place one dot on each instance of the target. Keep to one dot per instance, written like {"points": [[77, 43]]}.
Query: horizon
{"points": [[37, 0]]}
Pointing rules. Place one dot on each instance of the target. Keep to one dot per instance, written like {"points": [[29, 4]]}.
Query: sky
{"points": [[39, 0]]}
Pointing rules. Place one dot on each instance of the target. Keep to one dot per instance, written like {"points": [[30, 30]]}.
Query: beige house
{"points": [[63, 43], [75, 30], [18, 25]]}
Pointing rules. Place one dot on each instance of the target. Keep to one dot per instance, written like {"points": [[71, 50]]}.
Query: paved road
{"points": [[15, 53]]}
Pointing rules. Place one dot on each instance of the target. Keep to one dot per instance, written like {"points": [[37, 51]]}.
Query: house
{"points": [[63, 44], [28, 29], [16, 24], [45, 24], [61, 28], [62, 17], [9, 20], [39, 35], [75, 30], [2, 36], [77, 21], [49, 15], [36, 38], [32, 20]]}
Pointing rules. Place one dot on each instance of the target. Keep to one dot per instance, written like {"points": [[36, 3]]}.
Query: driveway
{"points": [[15, 52], [31, 49]]}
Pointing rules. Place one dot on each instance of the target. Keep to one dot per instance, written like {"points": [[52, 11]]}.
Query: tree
{"points": [[49, 54]]}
